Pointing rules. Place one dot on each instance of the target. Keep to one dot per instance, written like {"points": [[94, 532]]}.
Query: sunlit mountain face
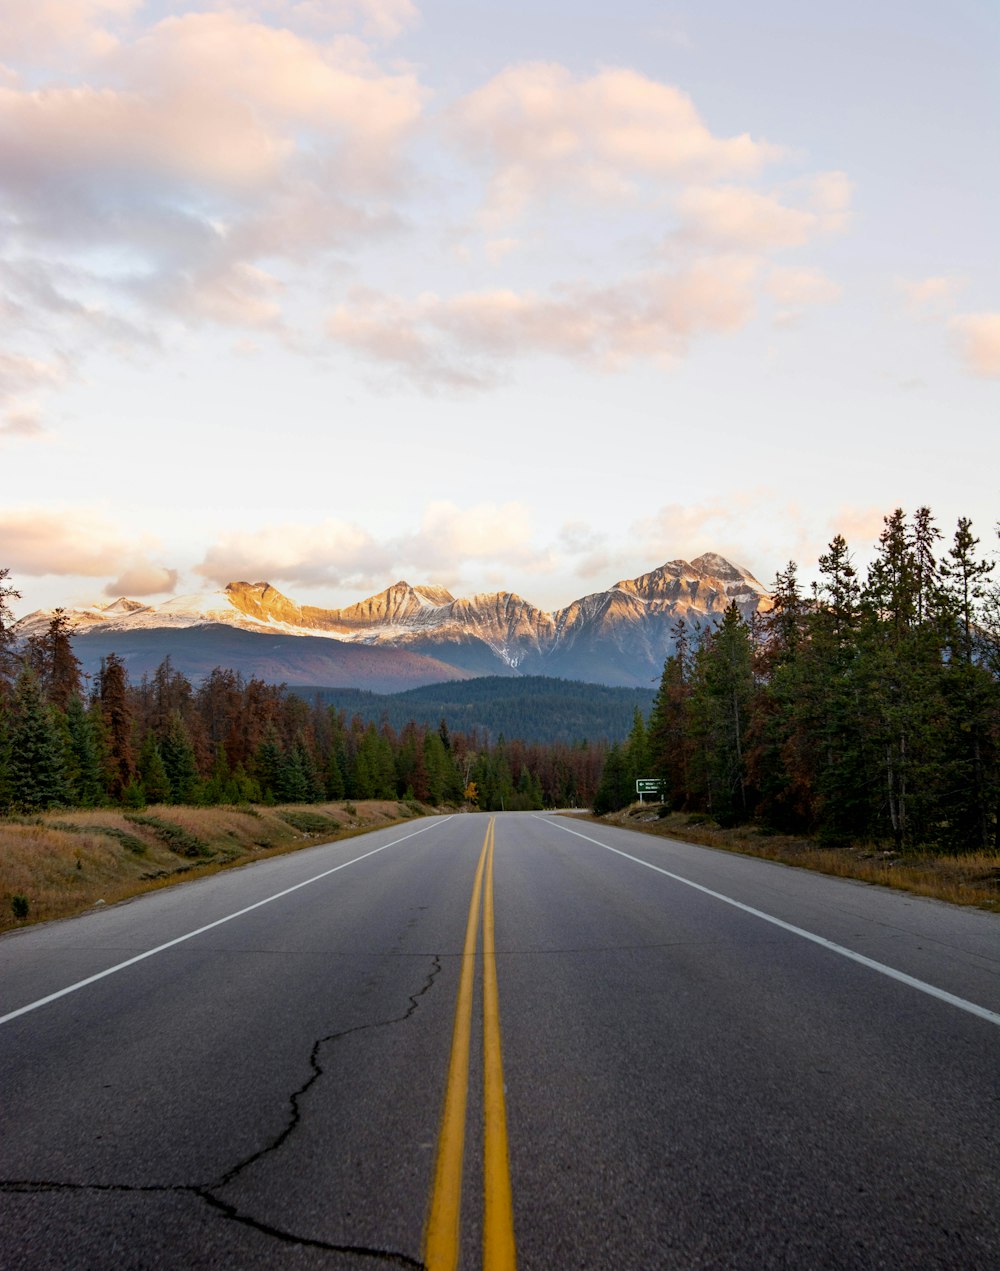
{"points": [[409, 635]]}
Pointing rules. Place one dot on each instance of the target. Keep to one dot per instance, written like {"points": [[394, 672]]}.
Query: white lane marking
{"points": [[963, 1005], [139, 957]]}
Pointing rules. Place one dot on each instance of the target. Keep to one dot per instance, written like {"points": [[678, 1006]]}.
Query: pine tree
{"points": [[36, 770], [179, 760], [723, 692], [83, 756], [268, 766], [670, 723], [972, 694], [616, 788], [900, 678], [52, 658], [153, 771], [114, 699]]}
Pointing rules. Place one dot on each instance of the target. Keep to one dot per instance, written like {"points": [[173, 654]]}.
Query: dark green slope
{"points": [[531, 708]]}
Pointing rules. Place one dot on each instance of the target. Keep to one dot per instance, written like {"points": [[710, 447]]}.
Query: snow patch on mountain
{"points": [[635, 614]]}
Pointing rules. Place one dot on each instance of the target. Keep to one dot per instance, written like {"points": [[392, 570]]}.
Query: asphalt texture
{"points": [[688, 1085]]}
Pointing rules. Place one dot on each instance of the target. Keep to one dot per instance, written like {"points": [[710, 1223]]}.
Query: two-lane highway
{"points": [[628, 1053]]}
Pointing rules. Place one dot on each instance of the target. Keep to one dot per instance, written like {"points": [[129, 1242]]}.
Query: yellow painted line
{"points": [[498, 1210], [442, 1237], [442, 1234]]}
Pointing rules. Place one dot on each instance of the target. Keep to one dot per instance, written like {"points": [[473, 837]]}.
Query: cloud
{"points": [[464, 340], [21, 379], [381, 19], [734, 216], [143, 579], [74, 541], [332, 552], [483, 532], [210, 98], [340, 553], [198, 158], [30, 30], [21, 423], [978, 337], [542, 131], [932, 294], [19, 374], [802, 287]]}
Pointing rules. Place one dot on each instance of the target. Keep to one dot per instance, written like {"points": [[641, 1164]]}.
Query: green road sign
{"points": [[648, 785]]}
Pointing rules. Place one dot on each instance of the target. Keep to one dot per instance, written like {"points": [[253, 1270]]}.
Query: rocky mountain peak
{"points": [[620, 635]]}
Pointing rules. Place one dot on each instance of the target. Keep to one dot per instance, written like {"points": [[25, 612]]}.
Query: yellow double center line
{"points": [[443, 1233]]}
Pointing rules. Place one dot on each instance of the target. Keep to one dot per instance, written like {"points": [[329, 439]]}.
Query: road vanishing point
{"points": [[523, 1041]]}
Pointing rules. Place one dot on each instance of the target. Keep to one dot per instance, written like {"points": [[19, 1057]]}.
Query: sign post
{"points": [[647, 785]]}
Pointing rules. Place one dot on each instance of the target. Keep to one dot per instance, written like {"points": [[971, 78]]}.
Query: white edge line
{"points": [[139, 957], [963, 1005]]}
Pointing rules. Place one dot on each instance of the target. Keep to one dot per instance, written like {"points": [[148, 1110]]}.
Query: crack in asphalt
{"points": [[206, 1192]]}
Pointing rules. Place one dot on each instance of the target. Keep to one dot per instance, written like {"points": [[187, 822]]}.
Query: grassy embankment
{"points": [[971, 879], [60, 863]]}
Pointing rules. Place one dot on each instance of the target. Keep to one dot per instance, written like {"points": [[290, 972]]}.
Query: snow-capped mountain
{"points": [[618, 636]]}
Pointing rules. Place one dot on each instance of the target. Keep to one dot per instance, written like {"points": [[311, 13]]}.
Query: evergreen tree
{"points": [[669, 724], [617, 788], [268, 766], [179, 760], [52, 658], [84, 768], [900, 676], [153, 771], [116, 709], [36, 772], [723, 692]]}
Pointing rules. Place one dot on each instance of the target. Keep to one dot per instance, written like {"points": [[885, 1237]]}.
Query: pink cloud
{"points": [[143, 579], [40, 541], [464, 340], [978, 337], [795, 287], [542, 130]]}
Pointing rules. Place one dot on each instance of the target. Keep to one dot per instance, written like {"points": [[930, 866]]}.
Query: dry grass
{"points": [[62, 863], [972, 879]]}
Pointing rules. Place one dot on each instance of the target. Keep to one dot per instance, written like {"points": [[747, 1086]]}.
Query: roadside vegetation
{"points": [[56, 864], [865, 716], [968, 878]]}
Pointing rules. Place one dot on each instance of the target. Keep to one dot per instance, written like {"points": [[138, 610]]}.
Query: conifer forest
{"points": [[862, 709]]}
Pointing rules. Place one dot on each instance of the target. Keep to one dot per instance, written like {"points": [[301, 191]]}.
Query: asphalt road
{"points": [[708, 1061]]}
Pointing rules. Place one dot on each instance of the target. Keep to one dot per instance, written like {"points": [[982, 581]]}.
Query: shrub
{"points": [[19, 906], [308, 822], [175, 836]]}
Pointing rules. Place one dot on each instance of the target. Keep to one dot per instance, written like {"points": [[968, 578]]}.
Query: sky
{"points": [[529, 297]]}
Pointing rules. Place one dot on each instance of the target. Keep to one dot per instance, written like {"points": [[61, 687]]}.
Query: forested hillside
{"points": [[531, 708], [868, 710], [236, 740]]}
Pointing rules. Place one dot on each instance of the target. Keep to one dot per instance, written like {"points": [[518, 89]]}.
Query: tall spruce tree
{"points": [[178, 757], [36, 771], [113, 694], [83, 756], [723, 693]]}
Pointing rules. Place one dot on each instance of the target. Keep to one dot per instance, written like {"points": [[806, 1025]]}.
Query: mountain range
{"points": [[408, 636]]}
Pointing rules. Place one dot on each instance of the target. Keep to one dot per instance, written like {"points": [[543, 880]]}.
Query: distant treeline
{"points": [[533, 708], [232, 740], [868, 710]]}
